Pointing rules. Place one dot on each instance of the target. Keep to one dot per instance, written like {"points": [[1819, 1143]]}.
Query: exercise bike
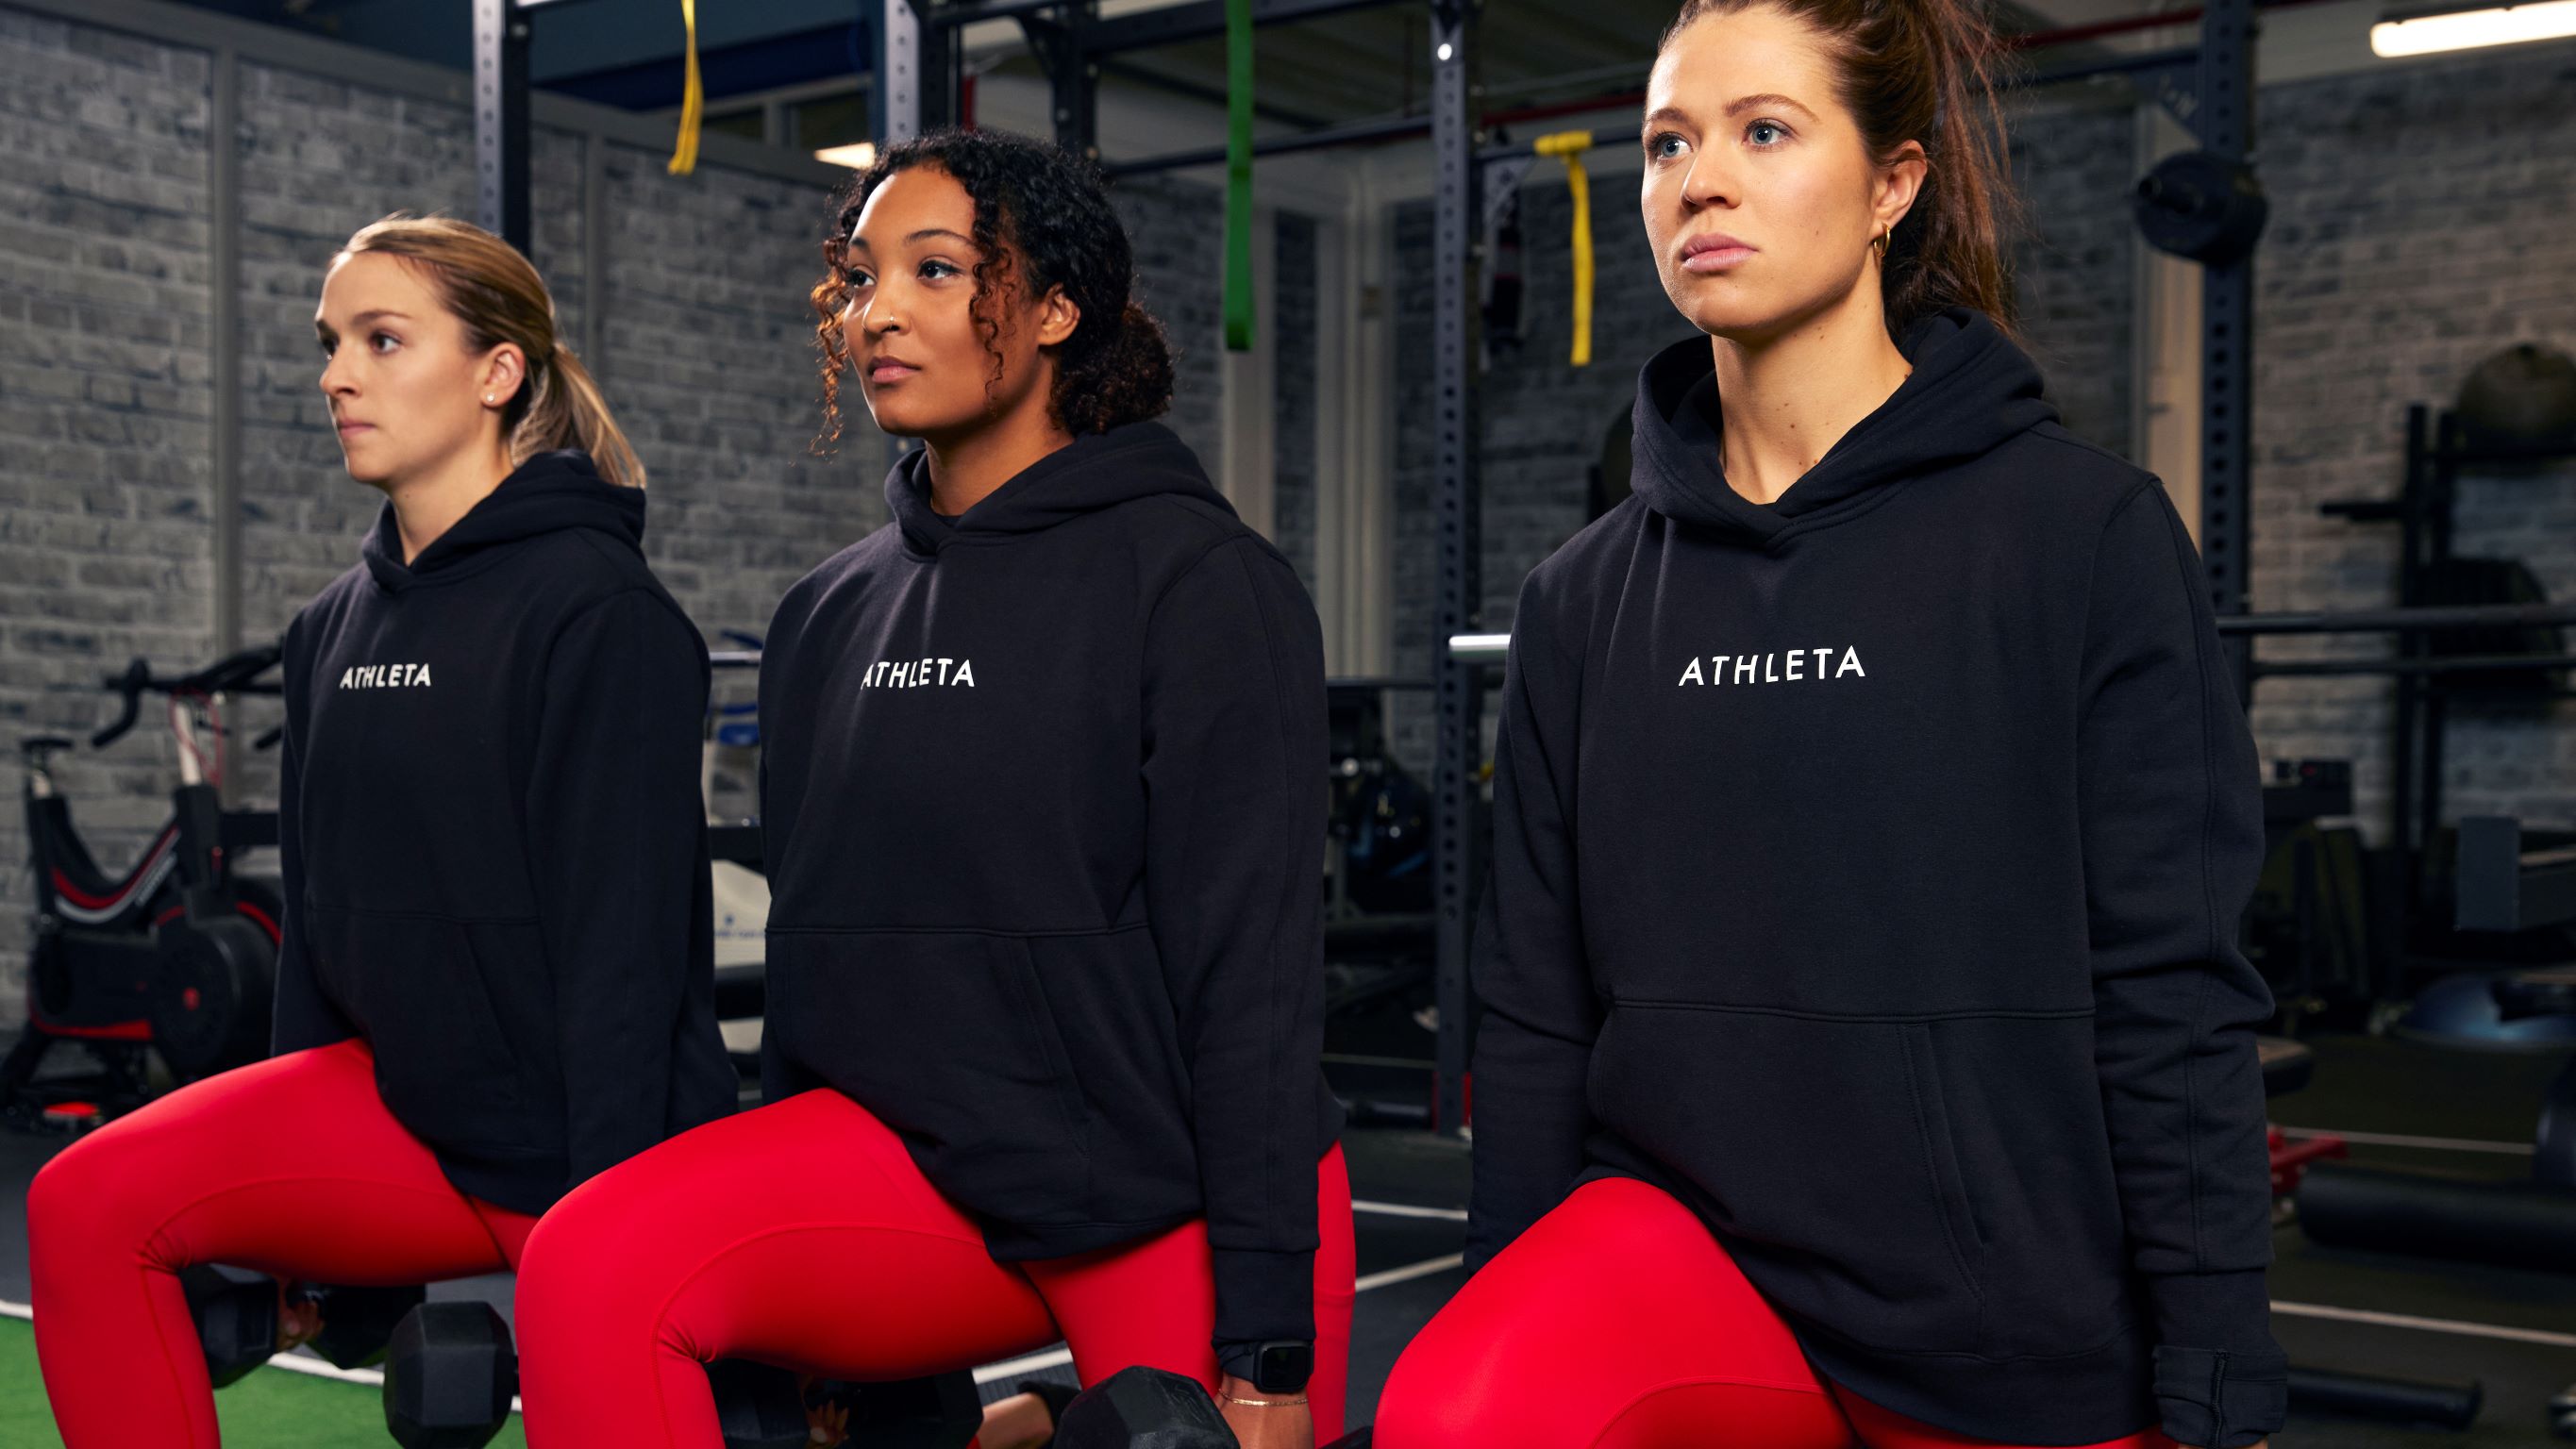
{"points": [[176, 957]]}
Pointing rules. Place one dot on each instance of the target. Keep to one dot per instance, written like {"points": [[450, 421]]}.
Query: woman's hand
{"points": [[1282, 1426]]}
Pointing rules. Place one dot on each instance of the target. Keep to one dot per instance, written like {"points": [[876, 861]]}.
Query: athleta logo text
{"points": [[919, 673], [1779, 668], [385, 676]]}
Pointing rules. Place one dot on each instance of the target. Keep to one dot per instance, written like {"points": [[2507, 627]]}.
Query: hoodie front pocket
{"points": [[1103, 1003], [443, 1063], [1816, 1148], [939, 1034]]}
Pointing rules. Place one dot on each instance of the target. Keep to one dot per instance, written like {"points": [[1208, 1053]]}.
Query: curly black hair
{"points": [[1042, 221]]}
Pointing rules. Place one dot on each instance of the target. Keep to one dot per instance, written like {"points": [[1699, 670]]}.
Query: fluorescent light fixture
{"points": [[2424, 32], [861, 155]]}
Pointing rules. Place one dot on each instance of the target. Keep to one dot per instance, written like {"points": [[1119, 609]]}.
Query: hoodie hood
{"points": [[549, 492], [1971, 391], [1093, 472]]}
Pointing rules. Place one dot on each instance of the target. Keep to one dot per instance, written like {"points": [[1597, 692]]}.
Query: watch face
{"points": [[1283, 1368]]}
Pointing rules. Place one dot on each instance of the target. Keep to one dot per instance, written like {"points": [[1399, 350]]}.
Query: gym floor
{"points": [[2466, 1113]]}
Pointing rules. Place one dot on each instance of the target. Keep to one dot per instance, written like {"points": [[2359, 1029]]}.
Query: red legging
{"points": [[803, 1235], [291, 1166], [1618, 1322]]}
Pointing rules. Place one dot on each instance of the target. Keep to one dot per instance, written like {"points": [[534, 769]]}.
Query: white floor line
{"points": [[1408, 1210], [2426, 1325], [2397, 1139], [1423, 1269], [1013, 1368]]}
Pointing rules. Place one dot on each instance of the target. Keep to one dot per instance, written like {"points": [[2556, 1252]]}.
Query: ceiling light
{"points": [[2423, 32], [861, 155]]}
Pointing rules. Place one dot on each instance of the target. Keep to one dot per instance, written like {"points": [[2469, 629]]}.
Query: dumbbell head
{"points": [[1143, 1408], [236, 1322], [757, 1406], [450, 1374], [358, 1323], [939, 1412]]}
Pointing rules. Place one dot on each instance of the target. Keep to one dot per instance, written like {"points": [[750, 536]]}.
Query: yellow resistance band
{"points": [[684, 152], [1571, 145]]}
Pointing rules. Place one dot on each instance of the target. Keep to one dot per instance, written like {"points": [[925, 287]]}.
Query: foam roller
{"points": [[2514, 1224]]}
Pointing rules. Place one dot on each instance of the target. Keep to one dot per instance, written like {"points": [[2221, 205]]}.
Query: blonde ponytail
{"points": [[497, 294]]}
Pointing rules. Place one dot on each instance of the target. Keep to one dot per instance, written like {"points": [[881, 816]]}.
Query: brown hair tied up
{"points": [[1042, 221], [1921, 70]]}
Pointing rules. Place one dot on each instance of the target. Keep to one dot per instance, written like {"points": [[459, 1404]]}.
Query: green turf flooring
{"points": [[271, 1409]]}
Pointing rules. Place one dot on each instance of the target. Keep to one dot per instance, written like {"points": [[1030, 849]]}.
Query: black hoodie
{"points": [[1043, 812], [1866, 873], [494, 847]]}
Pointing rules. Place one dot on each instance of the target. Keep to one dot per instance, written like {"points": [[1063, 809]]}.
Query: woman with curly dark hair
{"points": [[1041, 805]]}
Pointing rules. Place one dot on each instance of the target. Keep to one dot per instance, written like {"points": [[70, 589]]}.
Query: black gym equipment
{"points": [[243, 1318], [2201, 206], [2498, 886], [1151, 1408], [2516, 662], [450, 1375], [1143, 1408], [236, 1320], [2287, 1066], [354, 1327], [177, 955], [2519, 401], [942, 1411], [757, 1406]]}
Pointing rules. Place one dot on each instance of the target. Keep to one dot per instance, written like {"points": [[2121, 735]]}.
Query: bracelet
{"points": [[1265, 1403]]}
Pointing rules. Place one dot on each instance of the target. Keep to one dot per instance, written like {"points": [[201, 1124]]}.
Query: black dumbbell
{"points": [[757, 1406], [2562, 1413], [357, 1324], [236, 1322], [939, 1412], [1143, 1408], [450, 1374]]}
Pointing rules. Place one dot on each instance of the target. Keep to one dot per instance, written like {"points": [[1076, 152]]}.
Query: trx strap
{"points": [[1571, 145]]}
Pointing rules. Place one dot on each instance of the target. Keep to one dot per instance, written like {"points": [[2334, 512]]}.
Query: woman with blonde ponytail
{"points": [[1867, 1057], [495, 979]]}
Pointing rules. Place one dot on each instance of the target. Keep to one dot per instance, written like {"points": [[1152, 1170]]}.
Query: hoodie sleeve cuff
{"points": [[1261, 1296], [2221, 1382]]}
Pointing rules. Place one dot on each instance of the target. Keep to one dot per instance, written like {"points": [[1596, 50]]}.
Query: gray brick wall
{"points": [[1544, 419], [105, 397], [2423, 217], [106, 542], [1295, 377], [106, 546], [2379, 285], [1178, 231]]}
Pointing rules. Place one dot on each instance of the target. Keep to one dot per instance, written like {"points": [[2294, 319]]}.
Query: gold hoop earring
{"points": [[1885, 239]]}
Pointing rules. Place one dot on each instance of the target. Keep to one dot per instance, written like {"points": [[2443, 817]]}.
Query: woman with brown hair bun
{"points": [[496, 973], [1868, 1058]]}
